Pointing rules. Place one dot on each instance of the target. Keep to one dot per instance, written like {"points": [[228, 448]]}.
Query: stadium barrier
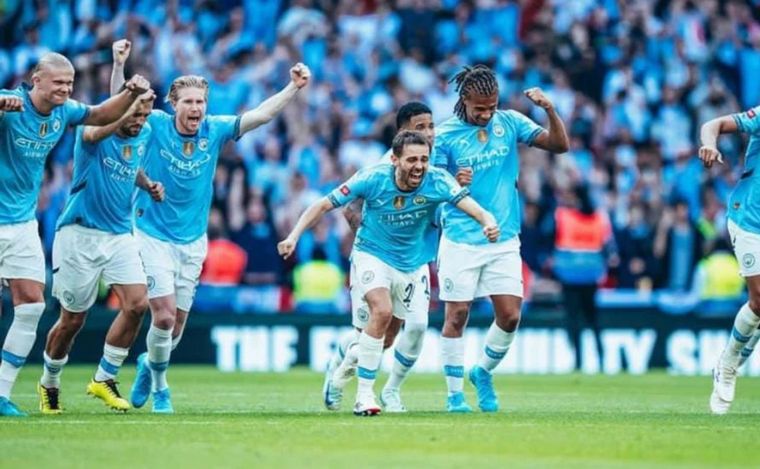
{"points": [[635, 340]]}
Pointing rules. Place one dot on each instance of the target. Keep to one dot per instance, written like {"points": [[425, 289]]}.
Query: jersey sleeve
{"points": [[227, 127], [356, 187], [448, 189], [749, 121], [75, 112], [525, 129]]}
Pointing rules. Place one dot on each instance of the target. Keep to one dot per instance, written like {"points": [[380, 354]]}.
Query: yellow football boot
{"points": [[107, 392], [49, 400]]}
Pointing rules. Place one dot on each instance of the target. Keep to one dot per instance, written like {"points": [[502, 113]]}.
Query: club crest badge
{"points": [[203, 144], [56, 125], [498, 130]]}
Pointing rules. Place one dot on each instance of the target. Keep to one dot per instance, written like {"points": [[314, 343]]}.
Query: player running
{"points": [[744, 229], [481, 142], [94, 241], [32, 121], [389, 260], [184, 150], [342, 367]]}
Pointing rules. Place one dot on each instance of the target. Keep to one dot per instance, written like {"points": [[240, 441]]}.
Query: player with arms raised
{"points": [[481, 143], [184, 150], [389, 261], [744, 229], [32, 121]]}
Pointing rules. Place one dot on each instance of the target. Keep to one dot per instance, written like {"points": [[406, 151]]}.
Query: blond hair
{"points": [[186, 81], [52, 60]]}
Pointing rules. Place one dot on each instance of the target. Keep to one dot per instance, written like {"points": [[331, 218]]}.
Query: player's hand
{"points": [[286, 247], [709, 155], [464, 176], [121, 49], [156, 191], [537, 96], [138, 85], [492, 232], [11, 104], [300, 75]]}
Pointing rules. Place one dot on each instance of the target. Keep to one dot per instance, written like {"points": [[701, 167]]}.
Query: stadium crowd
{"points": [[633, 81]]}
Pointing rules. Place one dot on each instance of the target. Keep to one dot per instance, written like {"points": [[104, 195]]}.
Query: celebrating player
{"points": [[94, 241], [32, 121], [744, 229], [184, 150], [480, 142], [389, 260], [411, 116]]}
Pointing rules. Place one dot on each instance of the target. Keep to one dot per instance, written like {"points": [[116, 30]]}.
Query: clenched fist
{"points": [[300, 75], [121, 49], [537, 96], [709, 155]]}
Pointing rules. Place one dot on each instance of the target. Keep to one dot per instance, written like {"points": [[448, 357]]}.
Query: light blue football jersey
{"points": [[433, 232], [26, 139], [394, 222], [103, 184], [491, 152], [744, 202], [185, 165]]}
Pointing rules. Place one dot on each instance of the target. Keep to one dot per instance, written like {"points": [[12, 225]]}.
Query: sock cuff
{"points": [[30, 310], [112, 350], [160, 333], [451, 341], [54, 361], [371, 343]]}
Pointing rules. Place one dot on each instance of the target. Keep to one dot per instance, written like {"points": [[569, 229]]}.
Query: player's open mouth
{"points": [[193, 119]]}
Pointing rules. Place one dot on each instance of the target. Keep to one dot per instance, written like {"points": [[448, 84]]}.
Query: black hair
{"points": [[478, 79], [409, 110]]}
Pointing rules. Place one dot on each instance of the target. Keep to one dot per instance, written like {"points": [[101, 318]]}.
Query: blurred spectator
{"points": [[259, 239], [678, 247], [225, 261], [584, 246], [317, 285]]}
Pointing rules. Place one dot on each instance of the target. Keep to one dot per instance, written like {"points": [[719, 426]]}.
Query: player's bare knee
{"points": [[388, 341], [754, 302], [136, 306], [71, 322], [508, 321], [25, 292]]}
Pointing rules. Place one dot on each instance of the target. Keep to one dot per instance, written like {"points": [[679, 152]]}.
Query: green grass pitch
{"points": [[277, 420]]}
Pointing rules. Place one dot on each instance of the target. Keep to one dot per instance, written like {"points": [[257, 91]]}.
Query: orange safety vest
{"points": [[576, 231]]}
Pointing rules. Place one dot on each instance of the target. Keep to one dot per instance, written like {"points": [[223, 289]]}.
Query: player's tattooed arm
{"points": [[121, 50], [708, 134], [266, 111], [154, 188], [554, 139], [309, 218], [353, 214]]}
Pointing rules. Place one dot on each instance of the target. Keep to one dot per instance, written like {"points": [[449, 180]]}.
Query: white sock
{"points": [[109, 365], [749, 347], [744, 327], [406, 353], [370, 351], [496, 347], [18, 343], [452, 355], [51, 371], [159, 350]]}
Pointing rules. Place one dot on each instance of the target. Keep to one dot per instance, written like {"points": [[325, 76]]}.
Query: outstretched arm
{"points": [[709, 133], [353, 214], [555, 138], [307, 219], [94, 134], [266, 111], [484, 217]]}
